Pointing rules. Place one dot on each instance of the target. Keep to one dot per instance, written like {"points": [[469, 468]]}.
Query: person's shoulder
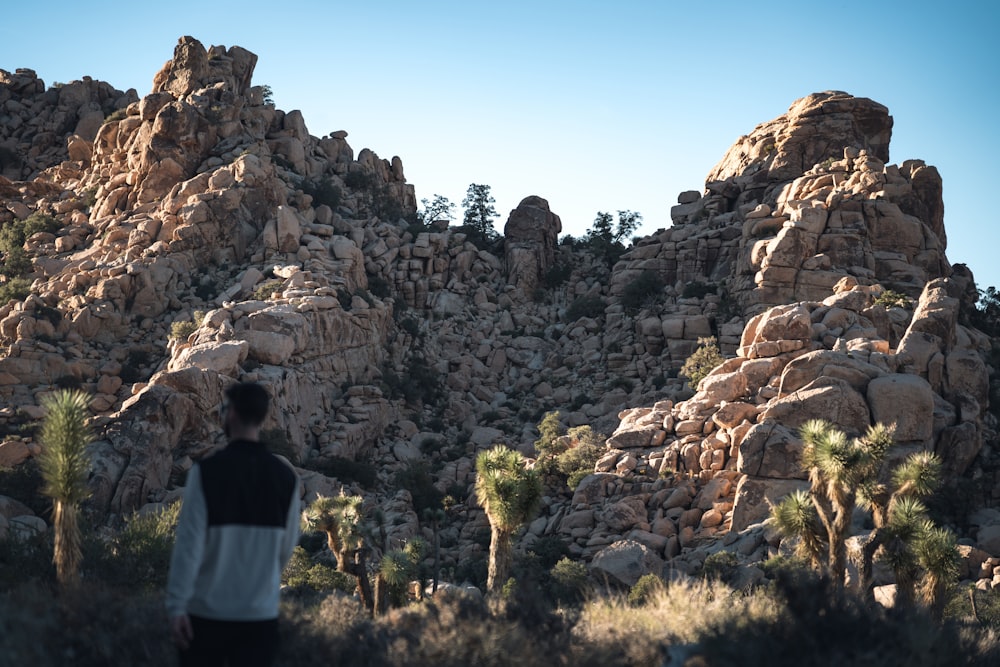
{"points": [[283, 466]]}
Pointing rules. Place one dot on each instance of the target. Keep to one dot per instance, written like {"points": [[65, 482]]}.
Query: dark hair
{"points": [[249, 401]]}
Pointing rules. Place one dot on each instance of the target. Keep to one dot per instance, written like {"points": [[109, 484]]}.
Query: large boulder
{"points": [[530, 238], [624, 562], [815, 128], [905, 402]]}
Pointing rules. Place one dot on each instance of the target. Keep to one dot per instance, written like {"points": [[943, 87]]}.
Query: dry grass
{"points": [[801, 621]]}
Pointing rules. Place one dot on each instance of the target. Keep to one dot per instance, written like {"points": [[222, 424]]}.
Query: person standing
{"points": [[238, 525]]}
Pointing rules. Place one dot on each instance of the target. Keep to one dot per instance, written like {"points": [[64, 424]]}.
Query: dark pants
{"points": [[233, 643]]}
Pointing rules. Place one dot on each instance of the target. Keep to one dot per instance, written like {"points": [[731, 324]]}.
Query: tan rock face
{"points": [[294, 265], [530, 237]]}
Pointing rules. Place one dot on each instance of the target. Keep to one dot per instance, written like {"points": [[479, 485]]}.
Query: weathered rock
{"points": [[530, 237], [624, 562], [903, 401]]}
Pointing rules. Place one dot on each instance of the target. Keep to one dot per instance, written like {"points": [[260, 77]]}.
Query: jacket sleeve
{"points": [[291, 536], [189, 546]]}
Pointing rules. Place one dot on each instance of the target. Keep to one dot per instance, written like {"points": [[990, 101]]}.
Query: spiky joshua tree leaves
{"points": [[340, 518], [847, 473], [65, 465], [511, 495]]}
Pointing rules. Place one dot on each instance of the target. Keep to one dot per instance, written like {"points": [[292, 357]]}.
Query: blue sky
{"points": [[594, 106]]}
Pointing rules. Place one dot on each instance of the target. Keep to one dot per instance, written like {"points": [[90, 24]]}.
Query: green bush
{"points": [[323, 192], [557, 274], [578, 461], [115, 116], [12, 238], [698, 290], [8, 158], [892, 299], [347, 470], [720, 565], [701, 363], [645, 589], [139, 554], [644, 289], [183, 329], [569, 580], [305, 571], [357, 180], [416, 478], [585, 306], [15, 289], [379, 286], [266, 289]]}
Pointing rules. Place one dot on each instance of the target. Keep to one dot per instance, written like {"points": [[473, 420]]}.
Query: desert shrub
{"points": [[266, 289], [384, 205], [578, 461], [702, 361], [644, 589], [892, 299], [410, 326], [557, 274], [569, 580], [323, 192], [89, 626], [644, 289], [620, 383], [15, 289], [15, 263], [12, 237], [585, 306], [419, 383], [306, 571], [181, 330], [698, 290], [548, 433], [972, 604], [357, 180], [347, 470], [379, 286], [416, 478], [68, 382], [720, 565], [277, 442], [25, 559], [818, 623], [114, 116], [132, 369], [207, 289], [8, 158], [138, 556]]}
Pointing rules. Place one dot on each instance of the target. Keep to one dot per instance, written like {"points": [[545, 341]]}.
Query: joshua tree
{"points": [[397, 569], [510, 494], [340, 518], [844, 474], [64, 466]]}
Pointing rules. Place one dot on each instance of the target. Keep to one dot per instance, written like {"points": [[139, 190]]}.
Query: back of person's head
{"points": [[249, 401]]}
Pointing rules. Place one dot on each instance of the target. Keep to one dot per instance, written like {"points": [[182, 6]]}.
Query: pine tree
{"points": [[510, 494], [479, 212], [64, 465]]}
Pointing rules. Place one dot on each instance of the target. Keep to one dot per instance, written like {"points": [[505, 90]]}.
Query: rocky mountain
{"points": [[198, 235]]}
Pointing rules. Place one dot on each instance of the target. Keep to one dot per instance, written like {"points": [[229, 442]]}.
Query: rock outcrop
{"points": [[530, 238], [202, 236]]}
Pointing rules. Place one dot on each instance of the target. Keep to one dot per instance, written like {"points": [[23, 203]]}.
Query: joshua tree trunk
{"points": [[500, 559], [381, 595], [864, 562], [67, 553]]}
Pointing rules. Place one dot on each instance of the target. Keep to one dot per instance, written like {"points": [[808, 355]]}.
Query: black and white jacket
{"points": [[238, 526]]}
